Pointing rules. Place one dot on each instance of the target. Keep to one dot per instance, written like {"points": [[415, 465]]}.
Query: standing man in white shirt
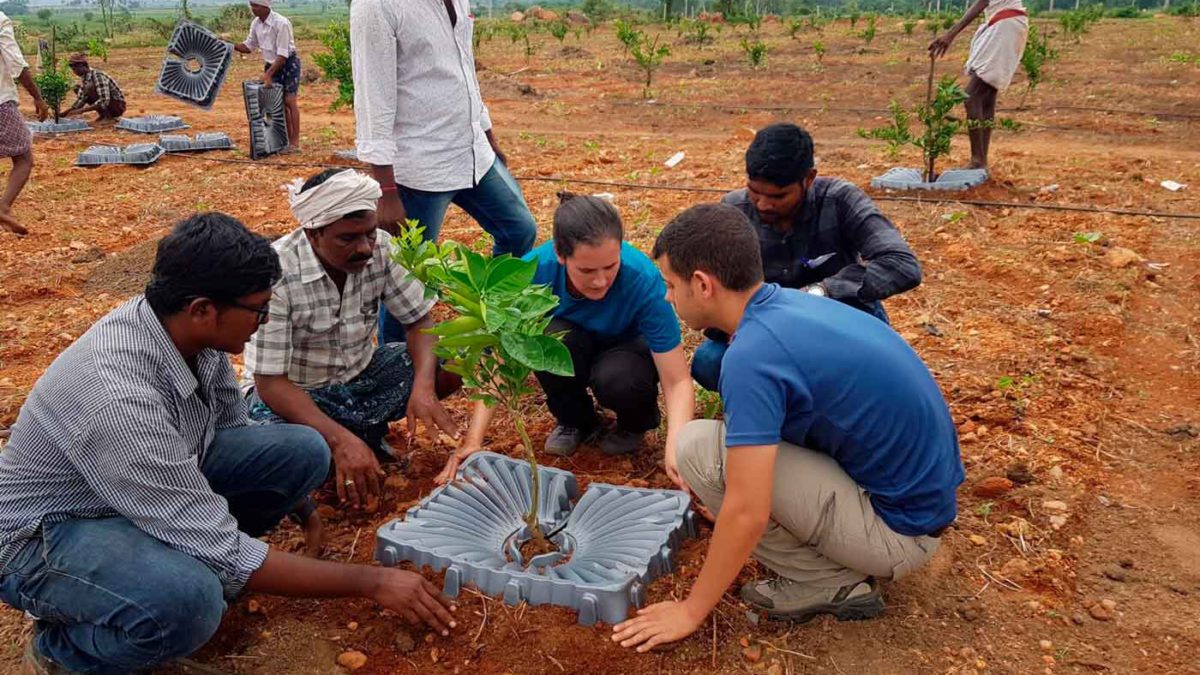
{"points": [[422, 126], [15, 139], [272, 33]]}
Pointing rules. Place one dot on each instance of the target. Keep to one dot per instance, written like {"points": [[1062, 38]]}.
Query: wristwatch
{"points": [[816, 289]]}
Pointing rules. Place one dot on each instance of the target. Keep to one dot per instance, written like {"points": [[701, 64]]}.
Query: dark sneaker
{"points": [[564, 441], [619, 442], [786, 600]]}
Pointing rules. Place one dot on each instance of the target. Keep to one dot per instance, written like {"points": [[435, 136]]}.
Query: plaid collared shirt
{"points": [[105, 87], [119, 425], [318, 337]]}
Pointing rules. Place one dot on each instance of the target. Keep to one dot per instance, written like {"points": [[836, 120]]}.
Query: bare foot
{"points": [[11, 223], [290, 150]]}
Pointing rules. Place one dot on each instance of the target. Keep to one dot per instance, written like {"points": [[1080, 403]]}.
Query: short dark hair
{"points": [[210, 255], [314, 181], [781, 154], [584, 220], [713, 238]]}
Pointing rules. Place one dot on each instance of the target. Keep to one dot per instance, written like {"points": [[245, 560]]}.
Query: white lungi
{"points": [[996, 50]]}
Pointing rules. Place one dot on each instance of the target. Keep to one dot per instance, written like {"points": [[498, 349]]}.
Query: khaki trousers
{"points": [[823, 530]]}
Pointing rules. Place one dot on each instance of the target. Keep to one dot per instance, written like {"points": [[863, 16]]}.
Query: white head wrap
{"points": [[329, 202], [264, 3]]}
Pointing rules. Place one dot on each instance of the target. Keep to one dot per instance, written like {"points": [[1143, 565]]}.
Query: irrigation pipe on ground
{"points": [[711, 190]]}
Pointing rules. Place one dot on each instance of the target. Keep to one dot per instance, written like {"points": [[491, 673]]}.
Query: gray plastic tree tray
{"points": [[140, 154], [63, 126], [204, 141], [611, 544], [913, 179], [151, 124], [195, 65], [264, 111]]}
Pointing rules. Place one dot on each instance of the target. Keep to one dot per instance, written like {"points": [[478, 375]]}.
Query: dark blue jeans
{"points": [[110, 598], [497, 204], [706, 362]]}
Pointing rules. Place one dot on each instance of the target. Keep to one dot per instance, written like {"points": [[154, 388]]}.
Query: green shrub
{"points": [[335, 63]]}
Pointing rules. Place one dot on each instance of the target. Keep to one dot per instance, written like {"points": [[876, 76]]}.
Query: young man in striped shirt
{"points": [[133, 487]]}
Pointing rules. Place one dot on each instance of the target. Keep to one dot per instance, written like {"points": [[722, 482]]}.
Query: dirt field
{"points": [[1072, 367]]}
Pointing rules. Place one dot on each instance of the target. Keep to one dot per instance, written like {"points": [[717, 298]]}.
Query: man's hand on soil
{"points": [[413, 597], [424, 406], [357, 472], [656, 625]]}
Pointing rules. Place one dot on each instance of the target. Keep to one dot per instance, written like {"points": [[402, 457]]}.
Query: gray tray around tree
{"points": [[195, 65], [151, 124], [62, 126], [611, 544], [138, 154], [913, 179], [216, 140], [264, 111]]}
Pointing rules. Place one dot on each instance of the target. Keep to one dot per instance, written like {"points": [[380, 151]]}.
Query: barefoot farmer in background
{"points": [[420, 122], [819, 234], [96, 92], [272, 33], [15, 140], [133, 489], [837, 462], [315, 363], [623, 338], [995, 54]]}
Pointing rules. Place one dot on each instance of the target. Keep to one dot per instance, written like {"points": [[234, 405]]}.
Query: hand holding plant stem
{"points": [[499, 337]]}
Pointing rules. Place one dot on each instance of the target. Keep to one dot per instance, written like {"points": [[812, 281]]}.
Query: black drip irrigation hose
{"points": [[870, 111], [708, 190]]}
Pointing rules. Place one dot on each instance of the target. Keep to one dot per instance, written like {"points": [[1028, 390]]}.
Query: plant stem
{"points": [[929, 156], [535, 489]]}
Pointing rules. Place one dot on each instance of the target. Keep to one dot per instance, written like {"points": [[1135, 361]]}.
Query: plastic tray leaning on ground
{"points": [[62, 126], [611, 544], [264, 110], [204, 141], [197, 85], [151, 124], [912, 179], [139, 154]]}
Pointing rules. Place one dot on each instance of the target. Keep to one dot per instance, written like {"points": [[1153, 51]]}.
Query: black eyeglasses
{"points": [[264, 312]]}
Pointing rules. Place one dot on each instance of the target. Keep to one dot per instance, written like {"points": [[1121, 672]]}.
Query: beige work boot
{"points": [[785, 600]]}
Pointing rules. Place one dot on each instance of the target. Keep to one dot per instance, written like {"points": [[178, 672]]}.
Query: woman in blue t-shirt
{"points": [[622, 333]]}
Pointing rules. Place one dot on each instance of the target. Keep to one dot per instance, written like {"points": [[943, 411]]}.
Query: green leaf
{"points": [[509, 275], [541, 353], [535, 305], [477, 266]]}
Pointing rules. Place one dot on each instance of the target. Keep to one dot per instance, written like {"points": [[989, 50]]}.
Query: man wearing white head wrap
{"points": [[272, 33], [315, 363]]}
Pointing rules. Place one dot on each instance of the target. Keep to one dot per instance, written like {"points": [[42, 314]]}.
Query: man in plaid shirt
{"points": [[96, 91], [315, 362]]}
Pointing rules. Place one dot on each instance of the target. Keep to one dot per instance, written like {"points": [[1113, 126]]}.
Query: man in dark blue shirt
{"points": [[825, 404], [819, 234]]}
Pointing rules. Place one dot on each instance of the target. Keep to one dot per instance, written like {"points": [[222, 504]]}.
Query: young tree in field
{"points": [[559, 30], [54, 85], [1034, 59], [627, 35], [649, 56], [818, 47], [794, 27], [499, 336], [940, 126], [868, 35], [335, 63], [756, 52]]}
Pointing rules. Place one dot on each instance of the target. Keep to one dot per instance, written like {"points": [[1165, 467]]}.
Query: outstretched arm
{"points": [[941, 44]]}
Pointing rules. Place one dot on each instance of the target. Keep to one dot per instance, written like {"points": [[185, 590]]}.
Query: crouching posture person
{"points": [[315, 363], [623, 337], [133, 486], [828, 407]]}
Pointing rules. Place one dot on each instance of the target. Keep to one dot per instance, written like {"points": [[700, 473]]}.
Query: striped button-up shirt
{"points": [[318, 336], [417, 104], [119, 426], [839, 237], [104, 87]]}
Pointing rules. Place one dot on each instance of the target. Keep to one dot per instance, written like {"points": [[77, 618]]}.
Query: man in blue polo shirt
{"points": [[623, 337], [826, 404]]}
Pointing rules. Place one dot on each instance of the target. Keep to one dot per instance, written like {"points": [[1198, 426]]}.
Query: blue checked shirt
{"points": [[838, 237], [119, 426]]}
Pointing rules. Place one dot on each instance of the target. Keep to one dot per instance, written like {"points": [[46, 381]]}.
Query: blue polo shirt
{"points": [[822, 375], [636, 305]]}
